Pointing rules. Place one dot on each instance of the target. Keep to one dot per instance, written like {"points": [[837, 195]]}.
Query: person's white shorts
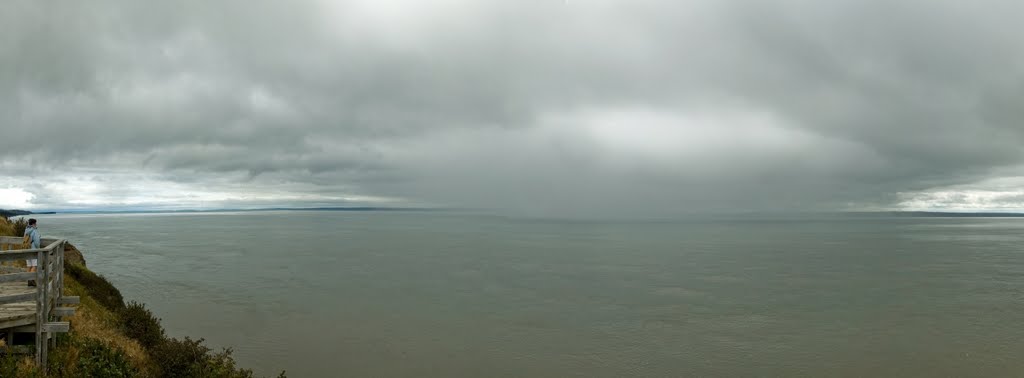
{"points": [[33, 262]]}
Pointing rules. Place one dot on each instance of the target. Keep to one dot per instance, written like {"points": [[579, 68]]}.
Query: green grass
{"points": [[96, 286]]}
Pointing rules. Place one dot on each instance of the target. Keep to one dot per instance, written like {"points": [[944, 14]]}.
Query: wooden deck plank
{"points": [[12, 313], [62, 327], [17, 277]]}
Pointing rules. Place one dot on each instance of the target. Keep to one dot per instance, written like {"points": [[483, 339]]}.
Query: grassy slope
{"points": [[109, 338]]}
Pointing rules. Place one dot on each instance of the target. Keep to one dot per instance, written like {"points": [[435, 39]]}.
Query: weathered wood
{"points": [[60, 270], [17, 277], [27, 320], [9, 246], [40, 310], [35, 309], [45, 243], [51, 303], [11, 239], [23, 250], [14, 298], [18, 254], [29, 328], [49, 245], [56, 327], [48, 298], [8, 289]]}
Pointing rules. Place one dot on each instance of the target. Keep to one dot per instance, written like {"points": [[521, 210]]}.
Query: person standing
{"points": [[32, 236]]}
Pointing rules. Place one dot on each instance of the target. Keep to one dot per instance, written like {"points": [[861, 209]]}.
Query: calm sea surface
{"points": [[383, 294]]}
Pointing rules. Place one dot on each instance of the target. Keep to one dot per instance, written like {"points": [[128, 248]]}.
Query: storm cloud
{"points": [[542, 107]]}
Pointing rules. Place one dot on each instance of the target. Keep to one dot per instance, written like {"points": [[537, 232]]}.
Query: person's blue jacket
{"points": [[34, 235]]}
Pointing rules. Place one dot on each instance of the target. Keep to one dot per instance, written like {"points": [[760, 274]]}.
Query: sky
{"points": [[541, 107]]}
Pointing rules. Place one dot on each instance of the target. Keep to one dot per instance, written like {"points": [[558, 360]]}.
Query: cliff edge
{"points": [[112, 338]]}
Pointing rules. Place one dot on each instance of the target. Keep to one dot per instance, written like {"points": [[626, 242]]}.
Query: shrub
{"points": [[222, 365], [19, 226], [18, 366], [190, 358], [87, 357], [179, 358], [97, 287], [13, 228], [139, 323], [6, 228]]}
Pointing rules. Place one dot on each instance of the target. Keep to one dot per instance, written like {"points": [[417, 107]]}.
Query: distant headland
{"points": [[15, 213]]}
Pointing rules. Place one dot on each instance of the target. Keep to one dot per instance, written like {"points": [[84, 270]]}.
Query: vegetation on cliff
{"points": [[13, 227], [110, 338], [13, 213]]}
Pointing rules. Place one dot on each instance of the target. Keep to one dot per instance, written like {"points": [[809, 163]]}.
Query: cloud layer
{"points": [[540, 106]]}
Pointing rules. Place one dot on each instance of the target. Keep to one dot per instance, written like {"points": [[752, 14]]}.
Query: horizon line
{"points": [[280, 208]]}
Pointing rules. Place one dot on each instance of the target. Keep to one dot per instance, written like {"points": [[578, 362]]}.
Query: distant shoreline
{"points": [[12, 213], [16, 213]]}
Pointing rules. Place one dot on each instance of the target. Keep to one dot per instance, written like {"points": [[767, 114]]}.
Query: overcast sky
{"points": [[544, 107]]}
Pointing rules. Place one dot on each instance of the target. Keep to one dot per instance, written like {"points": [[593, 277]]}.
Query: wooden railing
{"points": [[47, 294]]}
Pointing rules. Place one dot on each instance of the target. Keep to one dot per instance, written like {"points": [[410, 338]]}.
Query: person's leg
{"points": [[31, 269]]}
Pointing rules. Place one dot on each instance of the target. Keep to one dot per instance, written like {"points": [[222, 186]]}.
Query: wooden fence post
{"points": [[40, 307]]}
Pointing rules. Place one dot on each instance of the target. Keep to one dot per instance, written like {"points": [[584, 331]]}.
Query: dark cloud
{"points": [[540, 106]]}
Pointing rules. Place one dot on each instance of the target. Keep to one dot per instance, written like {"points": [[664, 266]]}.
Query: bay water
{"points": [[451, 294]]}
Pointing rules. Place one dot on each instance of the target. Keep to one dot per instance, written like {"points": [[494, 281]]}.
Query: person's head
{"points": [[32, 222]]}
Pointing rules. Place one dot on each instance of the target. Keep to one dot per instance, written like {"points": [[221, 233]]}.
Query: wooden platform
{"points": [[34, 310], [20, 313]]}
